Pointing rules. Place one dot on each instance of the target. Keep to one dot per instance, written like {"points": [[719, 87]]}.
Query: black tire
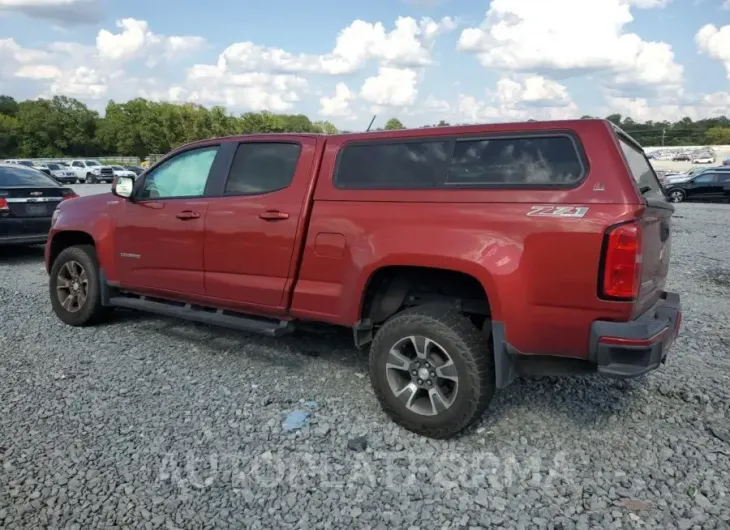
{"points": [[470, 352], [91, 311], [677, 195], [90, 179]]}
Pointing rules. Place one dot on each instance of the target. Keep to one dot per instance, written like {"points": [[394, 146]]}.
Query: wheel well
{"points": [[390, 289], [63, 240]]}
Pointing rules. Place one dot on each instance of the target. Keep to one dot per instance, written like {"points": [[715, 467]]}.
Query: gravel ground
{"points": [[153, 423]]}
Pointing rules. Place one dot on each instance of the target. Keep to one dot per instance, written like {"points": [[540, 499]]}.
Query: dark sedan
{"points": [[712, 184], [28, 199]]}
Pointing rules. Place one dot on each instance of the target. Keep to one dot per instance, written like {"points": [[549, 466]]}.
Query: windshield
{"points": [[54, 166], [26, 163], [118, 168], [644, 176], [17, 176], [92, 163]]}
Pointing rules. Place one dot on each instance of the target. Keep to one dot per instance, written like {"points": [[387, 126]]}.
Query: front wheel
{"points": [[90, 179], [432, 370], [677, 196], [74, 287]]}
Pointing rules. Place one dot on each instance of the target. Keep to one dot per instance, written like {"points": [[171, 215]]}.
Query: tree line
{"points": [[64, 126]]}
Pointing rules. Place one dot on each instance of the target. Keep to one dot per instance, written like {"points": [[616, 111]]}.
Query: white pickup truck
{"points": [[92, 171]]}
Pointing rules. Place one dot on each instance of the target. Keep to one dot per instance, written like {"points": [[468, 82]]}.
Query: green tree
{"points": [[9, 128], [393, 124], [718, 136], [325, 127], [8, 106]]}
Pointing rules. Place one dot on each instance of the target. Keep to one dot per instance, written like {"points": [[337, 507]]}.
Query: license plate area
{"points": [[36, 210]]}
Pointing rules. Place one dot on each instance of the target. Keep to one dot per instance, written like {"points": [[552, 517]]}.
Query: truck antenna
{"points": [[371, 122]]}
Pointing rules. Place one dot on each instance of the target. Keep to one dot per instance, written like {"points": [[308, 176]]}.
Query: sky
{"points": [[421, 61]]}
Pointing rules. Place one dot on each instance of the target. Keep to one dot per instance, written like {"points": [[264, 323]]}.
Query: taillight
{"points": [[4, 206], [622, 262], [69, 195]]}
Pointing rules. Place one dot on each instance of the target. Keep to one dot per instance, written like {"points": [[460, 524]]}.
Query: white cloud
{"points": [[641, 109], [399, 53], [649, 4], [532, 90], [513, 99], [137, 40], [391, 87], [39, 71], [571, 37], [407, 45], [81, 82], [252, 91], [339, 104], [715, 42], [69, 12]]}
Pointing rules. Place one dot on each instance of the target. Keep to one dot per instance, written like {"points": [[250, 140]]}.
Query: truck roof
{"points": [[428, 131]]}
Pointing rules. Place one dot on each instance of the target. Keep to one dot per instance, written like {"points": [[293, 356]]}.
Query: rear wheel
{"points": [[677, 196], [432, 370], [74, 287]]}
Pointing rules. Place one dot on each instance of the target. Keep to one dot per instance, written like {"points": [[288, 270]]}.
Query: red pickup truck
{"points": [[464, 256]]}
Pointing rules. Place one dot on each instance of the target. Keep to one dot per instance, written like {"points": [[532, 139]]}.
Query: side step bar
{"points": [[214, 317]]}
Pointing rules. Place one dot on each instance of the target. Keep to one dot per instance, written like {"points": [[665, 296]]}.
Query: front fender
{"points": [[93, 216]]}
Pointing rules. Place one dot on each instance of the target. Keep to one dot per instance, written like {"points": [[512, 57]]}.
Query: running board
{"points": [[212, 316]]}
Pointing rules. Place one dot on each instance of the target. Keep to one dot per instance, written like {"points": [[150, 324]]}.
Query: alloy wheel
{"points": [[72, 286], [422, 375]]}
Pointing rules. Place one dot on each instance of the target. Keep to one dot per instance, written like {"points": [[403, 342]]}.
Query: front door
{"points": [[703, 186], [159, 233], [251, 229]]}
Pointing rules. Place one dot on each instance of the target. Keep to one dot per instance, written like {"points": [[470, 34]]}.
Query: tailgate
{"points": [[656, 245], [656, 233]]}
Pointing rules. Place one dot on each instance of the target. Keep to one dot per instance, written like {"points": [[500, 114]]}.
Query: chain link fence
{"points": [[120, 160]]}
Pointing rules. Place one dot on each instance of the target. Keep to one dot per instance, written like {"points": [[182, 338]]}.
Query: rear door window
{"points": [[20, 176], [515, 162], [641, 170], [262, 167], [394, 165]]}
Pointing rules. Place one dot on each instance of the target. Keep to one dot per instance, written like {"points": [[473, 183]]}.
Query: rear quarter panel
{"points": [[539, 272]]}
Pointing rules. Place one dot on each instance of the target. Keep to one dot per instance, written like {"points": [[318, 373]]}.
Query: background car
{"points": [[62, 173], [28, 199], [704, 159], [30, 163], [138, 170], [121, 171], [726, 162], [709, 185], [92, 171]]}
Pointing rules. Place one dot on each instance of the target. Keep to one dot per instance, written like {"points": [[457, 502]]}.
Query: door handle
{"points": [[187, 215], [273, 215]]}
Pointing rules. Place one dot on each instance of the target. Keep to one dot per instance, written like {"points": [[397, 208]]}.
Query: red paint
{"points": [[308, 251]]}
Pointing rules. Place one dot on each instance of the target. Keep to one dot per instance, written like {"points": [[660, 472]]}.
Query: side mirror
{"points": [[123, 187]]}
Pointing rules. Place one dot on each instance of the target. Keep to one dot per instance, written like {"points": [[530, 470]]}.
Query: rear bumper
{"points": [[38, 239], [632, 349], [24, 231]]}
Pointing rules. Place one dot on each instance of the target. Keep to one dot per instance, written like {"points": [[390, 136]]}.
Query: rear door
{"points": [[724, 179], [656, 226], [251, 230]]}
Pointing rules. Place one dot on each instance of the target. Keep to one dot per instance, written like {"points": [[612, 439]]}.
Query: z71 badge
{"points": [[558, 211]]}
